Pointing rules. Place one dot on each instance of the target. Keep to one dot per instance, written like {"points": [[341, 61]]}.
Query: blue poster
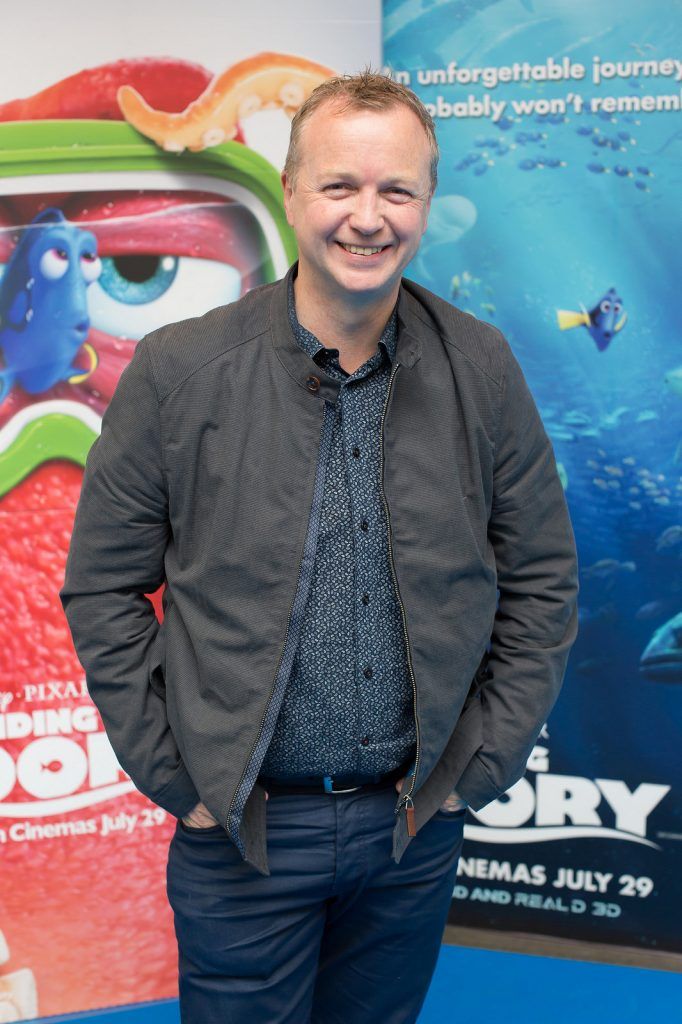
{"points": [[557, 219]]}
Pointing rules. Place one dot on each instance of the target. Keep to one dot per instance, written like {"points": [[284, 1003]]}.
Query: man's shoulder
{"points": [[465, 336], [178, 350]]}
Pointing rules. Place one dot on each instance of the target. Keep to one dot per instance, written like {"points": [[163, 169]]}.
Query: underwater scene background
{"points": [[560, 223]]}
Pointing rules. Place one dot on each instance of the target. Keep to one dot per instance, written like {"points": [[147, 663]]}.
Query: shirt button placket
{"points": [[357, 470], [364, 668], [354, 476]]}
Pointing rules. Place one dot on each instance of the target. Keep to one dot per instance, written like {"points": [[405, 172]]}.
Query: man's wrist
{"points": [[454, 802], [199, 817]]}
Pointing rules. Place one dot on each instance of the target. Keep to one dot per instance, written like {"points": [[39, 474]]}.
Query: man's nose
{"points": [[366, 215]]}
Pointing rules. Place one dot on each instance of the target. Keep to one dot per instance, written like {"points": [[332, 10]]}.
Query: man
{"points": [[335, 476]]}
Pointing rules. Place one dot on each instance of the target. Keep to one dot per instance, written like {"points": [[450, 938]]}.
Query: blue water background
{"points": [[553, 233]]}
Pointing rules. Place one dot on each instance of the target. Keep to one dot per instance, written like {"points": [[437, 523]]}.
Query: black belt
{"points": [[341, 784]]}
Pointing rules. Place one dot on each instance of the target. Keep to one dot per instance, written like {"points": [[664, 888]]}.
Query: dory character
{"points": [[602, 322], [44, 317]]}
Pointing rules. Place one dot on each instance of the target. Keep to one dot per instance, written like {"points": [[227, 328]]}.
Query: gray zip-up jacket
{"points": [[206, 476]]}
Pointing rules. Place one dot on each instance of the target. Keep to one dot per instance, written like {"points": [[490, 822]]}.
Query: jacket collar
{"points": [[410, 328], [302, 368]]}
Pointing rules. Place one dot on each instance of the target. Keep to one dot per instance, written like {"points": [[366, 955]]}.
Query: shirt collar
{"points": [[317, 351]]}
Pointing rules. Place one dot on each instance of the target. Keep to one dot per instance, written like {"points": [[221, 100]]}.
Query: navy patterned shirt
{"points": [[348, 706]]}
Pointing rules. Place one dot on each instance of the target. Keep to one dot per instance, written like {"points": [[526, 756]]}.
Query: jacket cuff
{"points": [[179, 796], [475, 785]]}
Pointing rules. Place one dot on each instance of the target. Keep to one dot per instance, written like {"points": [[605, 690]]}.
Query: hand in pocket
{"points": [[200, 817], [453, 803]]}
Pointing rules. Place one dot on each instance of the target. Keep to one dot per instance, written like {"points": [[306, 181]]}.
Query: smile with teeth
{"points": [[360, 250]]}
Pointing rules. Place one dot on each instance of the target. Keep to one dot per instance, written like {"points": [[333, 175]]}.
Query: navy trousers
{"points": [[338, 934]]}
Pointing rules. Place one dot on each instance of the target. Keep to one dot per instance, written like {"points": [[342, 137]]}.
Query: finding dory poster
{"points": [[556, 220], [139, 184]]}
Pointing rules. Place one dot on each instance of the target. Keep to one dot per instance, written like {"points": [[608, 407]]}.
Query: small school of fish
{"points": [[513, 139], [641, 487]]}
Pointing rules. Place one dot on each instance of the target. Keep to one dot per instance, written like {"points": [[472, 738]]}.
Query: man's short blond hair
{"points": [[364, 91]]}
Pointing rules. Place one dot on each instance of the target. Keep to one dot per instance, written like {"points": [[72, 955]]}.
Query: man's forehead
{"points": [[332, 114], [345, 110]]}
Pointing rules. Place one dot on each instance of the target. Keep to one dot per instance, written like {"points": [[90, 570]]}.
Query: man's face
{"points": [[359, 201]]}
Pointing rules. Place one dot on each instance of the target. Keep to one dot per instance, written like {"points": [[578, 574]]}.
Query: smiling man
{"points": [[357, 190], [370, 586]]}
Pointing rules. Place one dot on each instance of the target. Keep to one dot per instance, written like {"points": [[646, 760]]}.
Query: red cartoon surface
{"points": [[88, 266]]}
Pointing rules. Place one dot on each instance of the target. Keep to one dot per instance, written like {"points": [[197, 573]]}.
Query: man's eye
{"points": [[338, 186]]}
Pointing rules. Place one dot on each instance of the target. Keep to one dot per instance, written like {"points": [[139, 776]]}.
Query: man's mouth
{"points": [[362, 250]]}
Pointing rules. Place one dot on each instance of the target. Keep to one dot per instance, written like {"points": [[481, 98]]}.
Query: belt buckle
{"points": [[328, 783]]}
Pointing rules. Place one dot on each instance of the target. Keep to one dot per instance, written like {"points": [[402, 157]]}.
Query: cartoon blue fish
{"points": [[44, 317], [602, 322]]}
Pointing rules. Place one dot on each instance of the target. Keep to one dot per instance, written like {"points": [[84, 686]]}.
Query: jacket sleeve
{"points": [[116, 556], [536, 619]]}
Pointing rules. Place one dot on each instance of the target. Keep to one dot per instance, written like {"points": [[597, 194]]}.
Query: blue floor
{"points": [[475, 986]]}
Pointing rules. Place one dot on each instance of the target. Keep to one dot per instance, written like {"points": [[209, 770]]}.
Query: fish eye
{"points": [[138, 292], [605, 306], [91, 266], [617, 306], [54, 263]]}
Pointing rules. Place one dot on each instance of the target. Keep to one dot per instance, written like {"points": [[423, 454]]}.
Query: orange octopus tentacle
{"points": [[268, 80]]}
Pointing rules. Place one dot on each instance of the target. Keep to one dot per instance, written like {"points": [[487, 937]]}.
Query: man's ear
{"points": [[427, 210], [287, 188]]}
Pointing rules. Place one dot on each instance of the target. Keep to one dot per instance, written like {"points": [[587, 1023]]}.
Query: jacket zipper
{"points": [[234, 833], [294, 621], [406, 800]]}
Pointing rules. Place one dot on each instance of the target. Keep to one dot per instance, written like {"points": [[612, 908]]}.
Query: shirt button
{"points": [[356, 452], [364, 526], [365, 598], [367, 673], [312, 384], [364, 742]]}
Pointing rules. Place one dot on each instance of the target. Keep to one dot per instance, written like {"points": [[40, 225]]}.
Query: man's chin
{"points": [[363, 293], [357, 286], [368, 282]]}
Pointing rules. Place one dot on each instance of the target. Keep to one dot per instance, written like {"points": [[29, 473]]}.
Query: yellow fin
{"points": [[567, 318]]}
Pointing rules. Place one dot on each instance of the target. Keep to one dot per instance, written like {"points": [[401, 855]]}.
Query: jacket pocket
{"points": [[465, 740], [157, 665], [481, 677], [459, 815], [193, 830]]}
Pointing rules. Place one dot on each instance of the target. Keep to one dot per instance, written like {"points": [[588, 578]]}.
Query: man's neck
{"points": [[353, 329]]}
